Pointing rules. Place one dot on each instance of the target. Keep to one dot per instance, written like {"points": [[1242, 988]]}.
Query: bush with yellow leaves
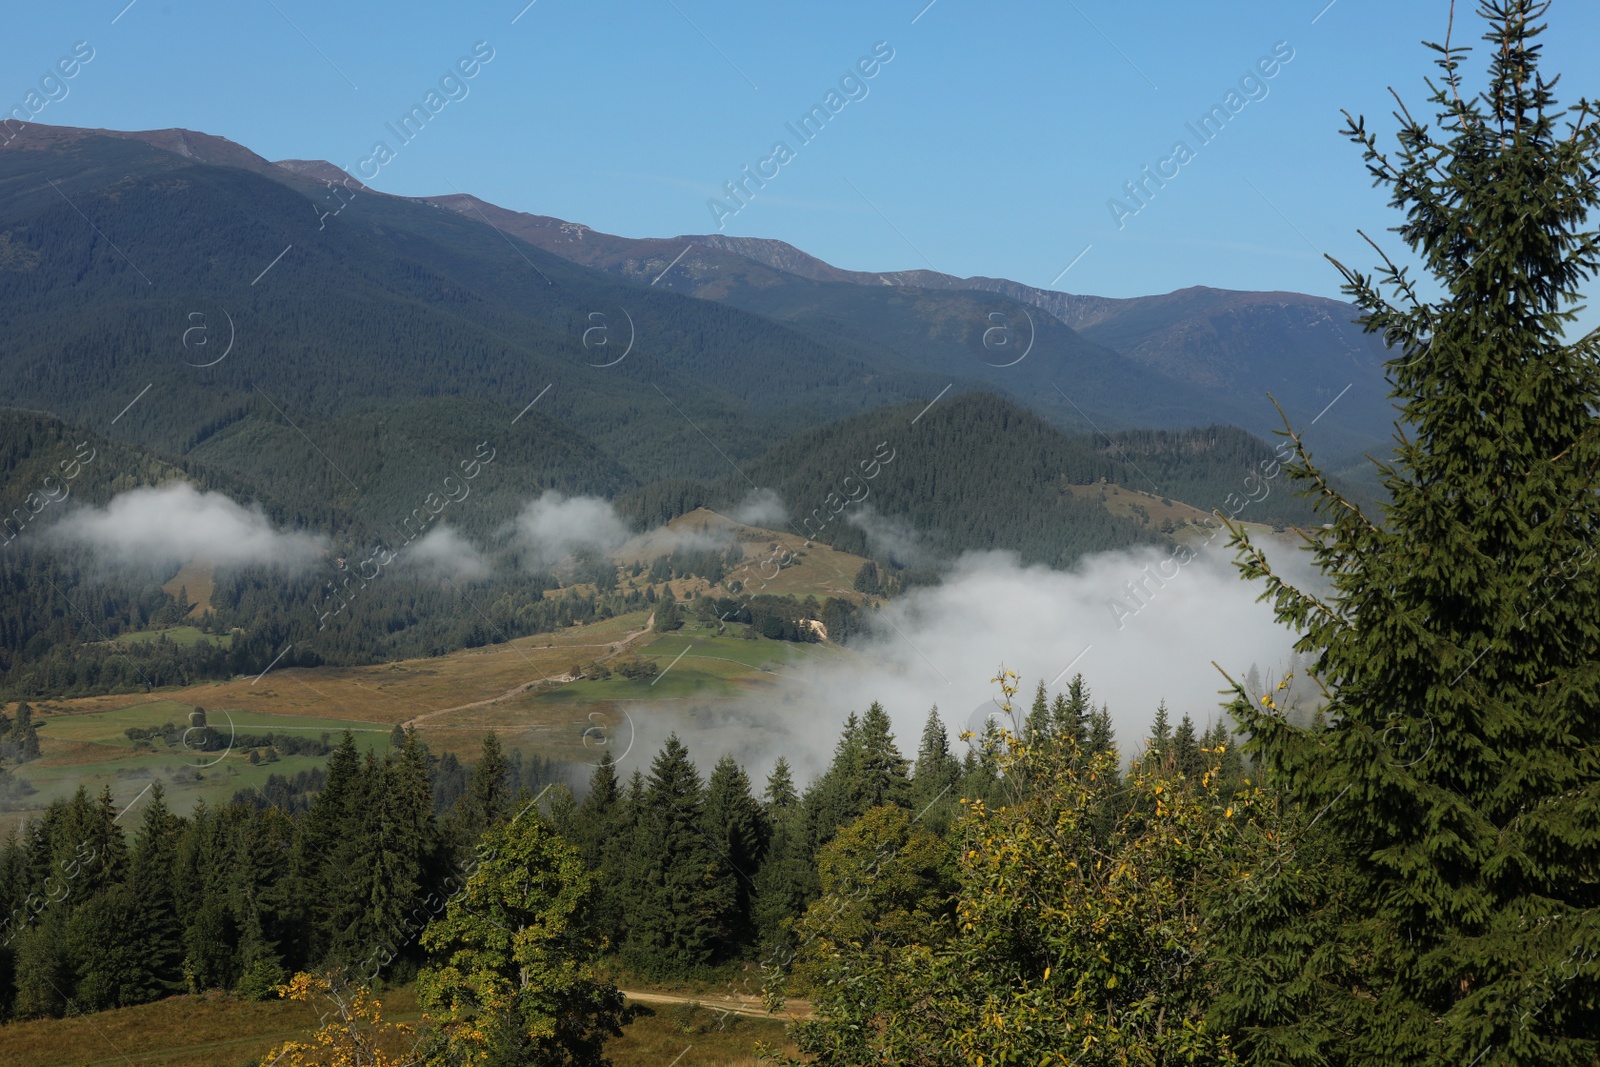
{"points": [[1077, 934], [352, 1032]]}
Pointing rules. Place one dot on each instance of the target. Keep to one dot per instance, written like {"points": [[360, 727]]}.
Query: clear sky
{"points": [[990, 143]]}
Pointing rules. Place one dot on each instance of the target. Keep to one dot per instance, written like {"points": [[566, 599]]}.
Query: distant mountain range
{"points": [[179, 306], [114, 245], [1191, 357], [1214, 353]]}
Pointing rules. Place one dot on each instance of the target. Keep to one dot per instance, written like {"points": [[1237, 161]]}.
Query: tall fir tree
{"points": [[1040, 725], [780, 795], [936, 776], [1440, 903], [152, 870], [1160, 735], [1186, 752], [880, 776], [1073, 714], [488, 798], [682, 891], [738, 829]]}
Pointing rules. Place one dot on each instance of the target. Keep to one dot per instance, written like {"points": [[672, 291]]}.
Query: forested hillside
{"points": [[692, 868], [387, 300], [976, 473]]}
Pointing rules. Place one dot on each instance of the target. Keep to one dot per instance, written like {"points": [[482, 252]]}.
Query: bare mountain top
{"points": [[319, 170]]}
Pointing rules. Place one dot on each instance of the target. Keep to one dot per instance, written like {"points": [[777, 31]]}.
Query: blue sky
{"points": [[990, 143]]}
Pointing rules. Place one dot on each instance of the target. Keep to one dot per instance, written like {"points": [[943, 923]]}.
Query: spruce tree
{"points": [[737, 827], [935, 797], [1074, 712], [787, 880], [1101, 736], [1439, 904], [780, 795], [488, 790], [682, 892], [1186, 752], [1160, 736], [1040, 723], [879, 777], [602, 835], [827, 801], [151, 873]]}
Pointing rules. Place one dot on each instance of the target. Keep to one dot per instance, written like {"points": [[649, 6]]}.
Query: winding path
{"points": [[752, 1006], [617, 648]]}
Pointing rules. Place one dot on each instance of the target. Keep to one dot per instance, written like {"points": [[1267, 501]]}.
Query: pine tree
{"points": [[879, 777], [1074, 712], [780, 795], [739, 832], [1186, 749], [21, 742], [669, 616], [1438, 905], [603, 836], [787, 880], [1040, 724], [867, 580], [1160, 736], [682, 894], [1101, 737], [827, 801], [322, 854], [151, 875], [935, 776], [488, 790]]}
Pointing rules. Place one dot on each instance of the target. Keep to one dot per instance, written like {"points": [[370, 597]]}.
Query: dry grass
{"points": [[695, 1037], [215, 1031], [820, 571], [1125, 502], [198, 579]]}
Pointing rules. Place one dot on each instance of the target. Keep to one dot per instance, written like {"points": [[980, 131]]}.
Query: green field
{"points": [[108, 727], [183, 636], [93, 750], [695, 662]]}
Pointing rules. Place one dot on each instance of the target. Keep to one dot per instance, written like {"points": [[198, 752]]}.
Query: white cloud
{"points": [[446, 554], [177, 522], [948, 641], [554, 526], [888, 535], [762, 507]]}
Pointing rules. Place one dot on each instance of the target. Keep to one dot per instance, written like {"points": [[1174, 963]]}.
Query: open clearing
{"points": [[207, 1031]]}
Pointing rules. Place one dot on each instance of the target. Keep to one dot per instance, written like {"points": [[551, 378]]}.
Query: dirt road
{"points": [[752, 1006], [617, 648]]}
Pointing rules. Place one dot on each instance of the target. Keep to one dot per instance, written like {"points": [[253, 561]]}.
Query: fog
{"points": [[444, 553], [177, 523], [554, 526], [762, 507], [890, 536], [942, 645]]}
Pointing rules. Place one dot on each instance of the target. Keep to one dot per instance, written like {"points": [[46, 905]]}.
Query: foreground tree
{"points": [[1071, 935], [352, 1031], [1444, 907], [517, 980]]}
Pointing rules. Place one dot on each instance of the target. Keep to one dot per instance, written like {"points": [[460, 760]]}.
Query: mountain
{"points": [[1208, 353], [852, 339], [122, 257], [919, 485]]}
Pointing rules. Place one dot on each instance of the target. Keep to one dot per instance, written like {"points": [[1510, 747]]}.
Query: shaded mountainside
{"points": [[1192, 356], [975, 473], [388, 300]]}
